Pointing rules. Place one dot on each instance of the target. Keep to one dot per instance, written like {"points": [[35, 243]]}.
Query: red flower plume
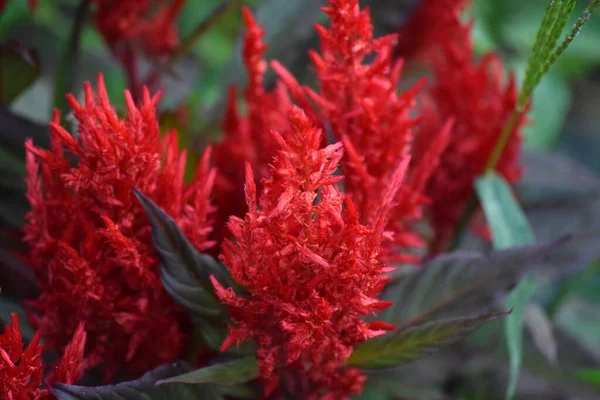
{"points": [[475, 96], [360, 101], [90, 240], [246, 139], [307, 263], [151, 23], [21, 371]]}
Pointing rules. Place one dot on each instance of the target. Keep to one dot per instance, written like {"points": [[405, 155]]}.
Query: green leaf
{"points": [[509, 228], [468, 282], [185, 274], [507, 221], [143, 388], [19, 68], [407, 345], [589, 375], [230, 373]]}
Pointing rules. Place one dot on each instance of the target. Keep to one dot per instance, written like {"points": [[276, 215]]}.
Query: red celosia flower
{"points": [[360, 101], [473, 94], [428, 25], [308, 265], [152, 23], [91, 244], [21, 371], [247, 139]]}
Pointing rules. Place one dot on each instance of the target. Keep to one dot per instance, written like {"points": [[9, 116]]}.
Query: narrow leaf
{"points": [[180, 260], [407, 345], [542, 333], [143, 388], [229, 373], [468, 282], [185, 274], [509, 228], [507, 221]]}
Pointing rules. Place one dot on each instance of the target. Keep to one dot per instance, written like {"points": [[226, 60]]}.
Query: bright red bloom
{"points": [[247, 139], [91, 244], [310, 267], [21, 372], [475, 96], [361, 102], [428, 26], [151, 23]]}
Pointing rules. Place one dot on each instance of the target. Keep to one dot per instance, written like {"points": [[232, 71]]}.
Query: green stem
{"points": [[66, 73]]}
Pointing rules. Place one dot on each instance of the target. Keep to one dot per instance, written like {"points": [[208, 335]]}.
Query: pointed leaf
{"points": [[407, 345], [462, 283], [143, 388], [229, 373], [185, 274], [509, 228], [181, 264]]}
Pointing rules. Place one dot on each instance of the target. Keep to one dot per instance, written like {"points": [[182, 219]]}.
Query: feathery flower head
{"points": [[428, 25], [359, 99], [151, 23], [306, 262], [246, 138], [21, 371], [475, 95], [90, 240]]}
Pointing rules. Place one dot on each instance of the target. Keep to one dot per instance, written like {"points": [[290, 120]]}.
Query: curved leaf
{"points": [[462, 283], [407, 345], [229, 373], [185, 274], [143, 388], [509, 228]]}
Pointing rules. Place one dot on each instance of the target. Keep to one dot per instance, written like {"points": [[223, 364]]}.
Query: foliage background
{"points": [[564, 120]]}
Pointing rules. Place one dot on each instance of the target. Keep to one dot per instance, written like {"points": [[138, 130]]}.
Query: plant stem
{"points": [[67, 70]]}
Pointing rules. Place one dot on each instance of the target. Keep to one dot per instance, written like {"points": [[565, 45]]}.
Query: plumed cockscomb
{"points": [[475, 95], [427, 26], [149, 23], [22, 371], [91, 245], [308, 264], [246, 139], [358, 97]]}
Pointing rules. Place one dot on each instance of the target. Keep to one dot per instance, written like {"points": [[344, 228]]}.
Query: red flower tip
{"points": [[91, 244], [305, 260]]}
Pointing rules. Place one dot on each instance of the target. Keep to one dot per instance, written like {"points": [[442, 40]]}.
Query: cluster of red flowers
{"points": [[151, 23], [22, 371], [91, 244], [473, 94], [361, 102], [309, 256], [306, 262]]}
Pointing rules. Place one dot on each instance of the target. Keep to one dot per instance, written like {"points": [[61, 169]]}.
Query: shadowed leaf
{"points": [[407, 345], [19, 68], [185, 274], [143, 388], [229, 373]]}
